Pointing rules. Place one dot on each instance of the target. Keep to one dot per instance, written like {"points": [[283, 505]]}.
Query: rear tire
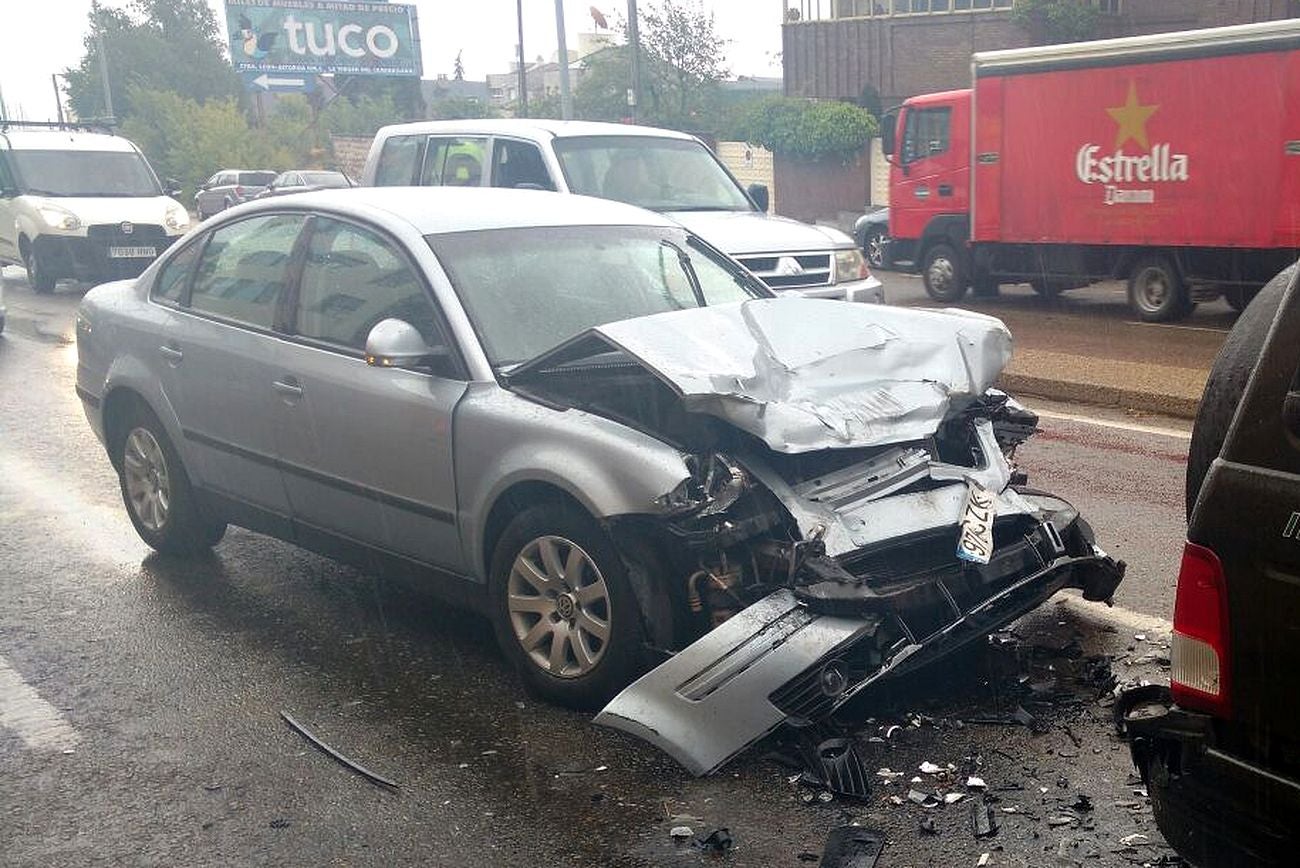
{"points": [[562, 607], [1156, 291], [943, 273], [156, 490], [1227, 382]]}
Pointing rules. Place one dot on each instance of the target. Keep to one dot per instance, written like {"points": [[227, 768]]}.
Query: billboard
{"points": [[322, 36]]}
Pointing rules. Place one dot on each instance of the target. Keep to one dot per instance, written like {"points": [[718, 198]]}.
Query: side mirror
{"points": [[395, 343], [888, 123], [758, 192], [173, 187]]}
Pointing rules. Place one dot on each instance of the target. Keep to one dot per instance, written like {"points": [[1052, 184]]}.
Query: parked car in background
{"points": [[304, 181], [82, 205], [1219, 748], [661, 170], [230, 187], [871, 231], [583, 419]]}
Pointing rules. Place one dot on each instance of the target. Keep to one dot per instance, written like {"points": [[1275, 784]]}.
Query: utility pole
{"points": [[103, 69], [58, 97], [523, 74], [634, 40], [566, 101]]}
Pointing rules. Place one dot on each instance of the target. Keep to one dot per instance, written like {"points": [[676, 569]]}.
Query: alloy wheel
{"points": [[559, 607], [148, 484]]}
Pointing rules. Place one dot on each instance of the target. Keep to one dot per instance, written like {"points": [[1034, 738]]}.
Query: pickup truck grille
{"points": [[790, 270]]}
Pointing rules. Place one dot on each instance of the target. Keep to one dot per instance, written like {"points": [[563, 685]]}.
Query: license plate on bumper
{"points": [[132, 252], [975, 542]]}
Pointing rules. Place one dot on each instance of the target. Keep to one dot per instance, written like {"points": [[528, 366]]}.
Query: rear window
{"points": [[256, 179]]}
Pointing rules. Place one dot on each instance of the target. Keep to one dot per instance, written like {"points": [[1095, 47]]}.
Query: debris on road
{"points": [[852, 847], [681, 832], [717, 843], [983, 821], [925, 800], [355, 766]]}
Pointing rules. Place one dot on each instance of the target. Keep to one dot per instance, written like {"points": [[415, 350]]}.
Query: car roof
{"points": [[538, 129], [440, 210], [64, 140]]}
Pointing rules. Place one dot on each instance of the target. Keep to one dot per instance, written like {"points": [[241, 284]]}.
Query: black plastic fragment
{"points": [[982, 820], [833, 763], [852, 847], [717, 843]]}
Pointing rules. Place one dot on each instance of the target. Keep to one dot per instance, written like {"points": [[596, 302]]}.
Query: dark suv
{"points": [[230, 187], [1220, 748]]}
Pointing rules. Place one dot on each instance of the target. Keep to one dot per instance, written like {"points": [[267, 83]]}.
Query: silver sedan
{"points": [[579, 418]]}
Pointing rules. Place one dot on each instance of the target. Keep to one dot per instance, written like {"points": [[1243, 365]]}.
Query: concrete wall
{"points": [[879, 174], [750, 164], [821, 190]]}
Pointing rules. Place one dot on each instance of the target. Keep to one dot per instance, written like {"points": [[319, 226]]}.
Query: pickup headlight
{"points": [[177, 218], [58, 217], [849, 265]]}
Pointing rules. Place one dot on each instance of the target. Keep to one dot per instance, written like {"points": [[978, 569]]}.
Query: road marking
{"points": [[1165, 325], [1122, 426], [24, 713]]}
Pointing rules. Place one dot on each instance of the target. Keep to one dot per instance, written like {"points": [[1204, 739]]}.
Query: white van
{"points": [[81, 205], [660, 170]]}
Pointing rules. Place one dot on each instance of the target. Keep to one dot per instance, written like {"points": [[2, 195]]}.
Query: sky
{"points": [[39, 39]]}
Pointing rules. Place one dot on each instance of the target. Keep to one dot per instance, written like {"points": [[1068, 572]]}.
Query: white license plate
{"points": [[975, 543], [131, 252]]}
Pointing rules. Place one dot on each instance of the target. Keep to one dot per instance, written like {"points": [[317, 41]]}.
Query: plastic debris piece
{"points": [[717, 843], [1060, 821], [1082, 803], [983, 822], [953, 798], [1135, 839], [852, 847], [835, 764], [825, 797], [983, 860], [889, 733], [681, 832], [925, 800], [975, 783], [929, 768], [927, 826], [356, 767], [896, 800]]}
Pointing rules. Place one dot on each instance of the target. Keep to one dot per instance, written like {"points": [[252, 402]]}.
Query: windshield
{"points": [[85, 173], [529, 290], [655, 173]]}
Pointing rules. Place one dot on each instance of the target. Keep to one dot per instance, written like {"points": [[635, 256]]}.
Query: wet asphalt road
{"points": [[168, 679]]}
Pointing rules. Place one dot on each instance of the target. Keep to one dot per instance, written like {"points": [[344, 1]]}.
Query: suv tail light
{"points": [[1199, 656]]}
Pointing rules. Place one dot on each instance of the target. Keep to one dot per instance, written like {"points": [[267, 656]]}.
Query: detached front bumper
{"points": [[1214, 808], [800, 653]]}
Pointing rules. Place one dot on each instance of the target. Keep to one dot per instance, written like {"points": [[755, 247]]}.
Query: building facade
{"points": [[833, 49]]}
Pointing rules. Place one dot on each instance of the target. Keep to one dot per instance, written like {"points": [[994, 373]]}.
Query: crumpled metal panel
{"points": [[804, 375]]}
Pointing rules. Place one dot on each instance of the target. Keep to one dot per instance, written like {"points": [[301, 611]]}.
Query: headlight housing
{"points": [[58, 217], [850, 265], [177, 218]]}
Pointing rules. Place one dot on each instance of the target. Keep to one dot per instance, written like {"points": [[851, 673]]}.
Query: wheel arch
{"points": [[951, 229]]}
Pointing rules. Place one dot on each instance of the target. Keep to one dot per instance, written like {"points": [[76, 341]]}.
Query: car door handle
{"points": [[288, 387], [171, 354], [1291, 412], [945, 189]]}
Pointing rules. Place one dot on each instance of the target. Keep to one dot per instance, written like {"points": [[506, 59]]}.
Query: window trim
{"points": [[198, 243], [290, 324]]}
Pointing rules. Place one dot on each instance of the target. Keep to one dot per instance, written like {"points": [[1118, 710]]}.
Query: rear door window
{"points": [[245, 269], [454, 161], [398, 162]]}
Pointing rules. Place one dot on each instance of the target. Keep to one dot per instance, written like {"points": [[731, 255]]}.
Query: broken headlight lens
{"points": [[849, 265]]}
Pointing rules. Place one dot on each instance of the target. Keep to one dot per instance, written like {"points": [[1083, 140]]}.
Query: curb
{"points": [[1073, 392]]}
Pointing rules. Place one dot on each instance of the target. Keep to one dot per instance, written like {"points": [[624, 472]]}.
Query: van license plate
{"points": [[131, 252], [975, 542]]}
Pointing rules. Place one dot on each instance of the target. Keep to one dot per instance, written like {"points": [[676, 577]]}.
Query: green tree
{"points": [[152, 45], [1053, 21], [809, 129], [685, 54]]}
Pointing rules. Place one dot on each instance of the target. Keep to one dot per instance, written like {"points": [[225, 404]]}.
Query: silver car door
{"points": [[367, 450], [226, 357]]}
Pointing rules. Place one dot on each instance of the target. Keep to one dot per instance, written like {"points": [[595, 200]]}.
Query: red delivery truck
{"points": [[1171, 161]]}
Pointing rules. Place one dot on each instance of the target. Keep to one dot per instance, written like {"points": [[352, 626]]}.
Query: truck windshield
{"points": [[84, 173], [528, 290], [655, 173]]}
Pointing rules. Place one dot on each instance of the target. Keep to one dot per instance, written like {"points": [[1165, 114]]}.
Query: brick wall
{"points": [[750, 164], [822, 190], [350, 154]]}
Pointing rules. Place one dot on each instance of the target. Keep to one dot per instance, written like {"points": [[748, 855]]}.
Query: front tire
{"points": [[943, 273], [873, 248], [156, 490], [1156, 291], [562, 607], [40, 277]]}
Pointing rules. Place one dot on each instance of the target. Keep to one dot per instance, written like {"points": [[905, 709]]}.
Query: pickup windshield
{"points": [[655, 173], [84, 173], [529, 290]]}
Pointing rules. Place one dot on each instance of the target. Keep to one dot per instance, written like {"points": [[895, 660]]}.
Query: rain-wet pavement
{"points": [[171, 676]]}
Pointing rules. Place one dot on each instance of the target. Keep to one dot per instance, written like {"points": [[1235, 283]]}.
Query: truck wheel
{"points": [[562, 607], [1227, 381], [1156, 291], [39, 275], [943, 274], [873, 247]]}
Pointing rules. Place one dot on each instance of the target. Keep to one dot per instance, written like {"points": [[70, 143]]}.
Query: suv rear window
{"points": [[256, 179]]}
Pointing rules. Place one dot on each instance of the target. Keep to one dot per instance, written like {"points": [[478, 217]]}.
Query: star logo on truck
{"points": [[1132, 119]]}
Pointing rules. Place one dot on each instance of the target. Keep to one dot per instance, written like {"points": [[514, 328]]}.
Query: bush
{"points": [[804, 128]]}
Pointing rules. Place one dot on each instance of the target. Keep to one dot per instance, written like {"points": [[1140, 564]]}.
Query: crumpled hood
{"points": [[803, 374], [748, 232]]}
